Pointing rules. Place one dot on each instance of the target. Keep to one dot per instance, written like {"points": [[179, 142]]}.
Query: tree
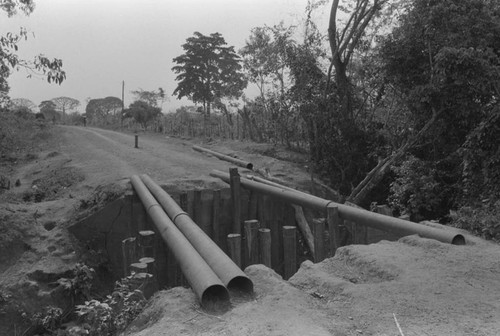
{"points": [[154, 98], [344, 39], [9, 60], [142, 112], [65, 104], [443, 59], [23, 102], [207, 72], [48, 109], [102, 110]]}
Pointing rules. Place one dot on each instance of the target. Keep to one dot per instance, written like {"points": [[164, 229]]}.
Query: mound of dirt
{"points": [[428, 287]]}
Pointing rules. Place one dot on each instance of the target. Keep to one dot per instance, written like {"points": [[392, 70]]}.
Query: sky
{"points": [[105, 42]]}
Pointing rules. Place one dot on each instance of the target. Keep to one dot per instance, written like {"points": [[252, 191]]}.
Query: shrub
{"points": [[482, 220]]}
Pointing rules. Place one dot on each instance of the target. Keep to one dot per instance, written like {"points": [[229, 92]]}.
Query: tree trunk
{"points": [[375, 176]]}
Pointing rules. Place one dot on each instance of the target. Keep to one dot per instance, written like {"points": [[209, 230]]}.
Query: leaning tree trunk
{"points": [[375, 176]]}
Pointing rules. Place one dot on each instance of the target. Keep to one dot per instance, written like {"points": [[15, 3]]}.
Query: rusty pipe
{"points": [[238, 162], [360, 216], [204, 282], [230, 274]]}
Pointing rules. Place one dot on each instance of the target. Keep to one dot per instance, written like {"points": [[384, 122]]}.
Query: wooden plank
{"points": [[146, 243], [252, 241], [334, 223], [128, 254], [234, 247], [234, 182], [289, 251], [318, 232], [252, 205], [216, 210], [265, 247], [138, 214]]}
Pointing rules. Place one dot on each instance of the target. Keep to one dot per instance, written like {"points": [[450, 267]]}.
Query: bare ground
{"points": [[429, 288]]}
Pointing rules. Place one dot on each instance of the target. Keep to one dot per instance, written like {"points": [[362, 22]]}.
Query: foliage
{"points": [[49, 320], [112, 315], [482, 220], [142, 112], [153, 98], [48, 109], [9, 60], [19, 131], [208, 71], [103, 110], [22, 102], [65, 105], [481, 159], [420, 190]]}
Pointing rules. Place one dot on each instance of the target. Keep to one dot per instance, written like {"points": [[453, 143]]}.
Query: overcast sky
{"points": [[103, 42]]}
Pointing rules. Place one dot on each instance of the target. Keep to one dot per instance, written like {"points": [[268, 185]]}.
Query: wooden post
{"points": [[146, 243], [265, 247], [236, 199], [183, 200], [334, 222], [128, 254], [138, 214], [234, 247], [252, 241], [289, 251], [216, 217], [304, 228], [136, 141], [318, 232]]}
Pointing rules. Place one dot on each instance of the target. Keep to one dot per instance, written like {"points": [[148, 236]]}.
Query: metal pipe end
{"points": [[216, 299], [250, 166], [241, 284], [458, 240]]}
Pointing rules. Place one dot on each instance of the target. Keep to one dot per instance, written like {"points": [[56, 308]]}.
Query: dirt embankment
{"points": [[427, 287]]}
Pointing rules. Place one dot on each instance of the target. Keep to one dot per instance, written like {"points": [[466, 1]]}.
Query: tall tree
{"points": [[9, 59], [23, 102], [65, 105], [142, 112], [208, 71], [344, 39], [443, 59], [102, 110], [154, 98], [48, 109]]}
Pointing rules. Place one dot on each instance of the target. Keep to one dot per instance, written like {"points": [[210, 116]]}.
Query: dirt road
{"points": [[414, 286], [106, 156]]}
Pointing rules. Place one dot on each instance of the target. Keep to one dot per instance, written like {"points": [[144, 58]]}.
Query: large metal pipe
{"points": [[205, 283], [359, 216], [238, 162], [230, 274]]}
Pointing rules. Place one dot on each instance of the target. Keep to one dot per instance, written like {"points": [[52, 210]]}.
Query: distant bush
{"points": [[482, 220], [20, 132]]}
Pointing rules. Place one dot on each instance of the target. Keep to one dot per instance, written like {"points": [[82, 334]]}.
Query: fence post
{"points": [[128, 254], [216, 217], [265, 247], [252, 242], [234, 247], [289, 251], [334, 222], [318, 232], [234, 179], [146, 243]]}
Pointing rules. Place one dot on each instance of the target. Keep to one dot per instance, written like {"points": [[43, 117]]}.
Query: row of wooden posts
{"points": [[251, 228]]}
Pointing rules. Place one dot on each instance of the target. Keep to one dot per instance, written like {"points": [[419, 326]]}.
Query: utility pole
{"points": [[123, 103]]}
